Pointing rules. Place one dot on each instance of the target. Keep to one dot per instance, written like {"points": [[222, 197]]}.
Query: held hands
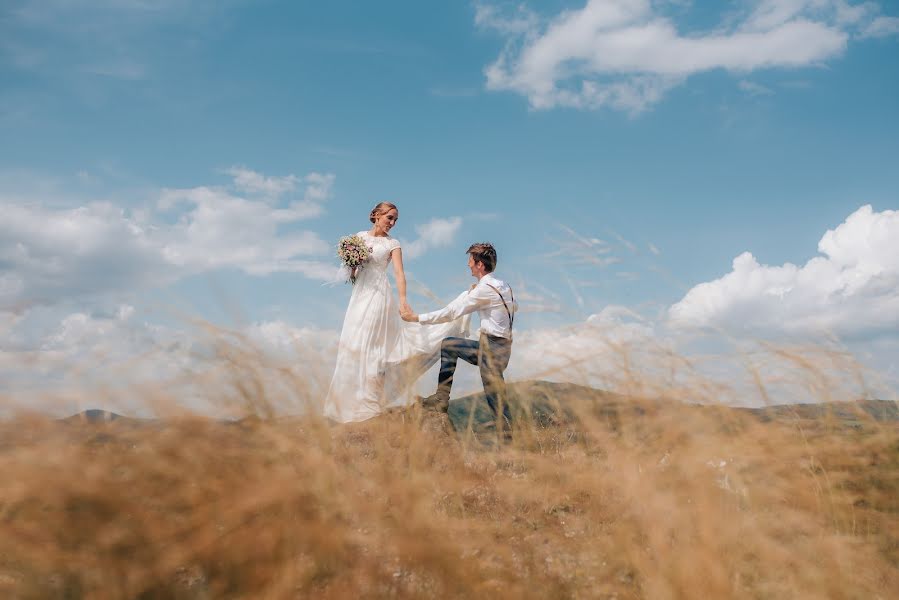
{"points": [[407, 314]]}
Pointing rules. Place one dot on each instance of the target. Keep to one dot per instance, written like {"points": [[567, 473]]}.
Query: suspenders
{"points": [[508, 312]]}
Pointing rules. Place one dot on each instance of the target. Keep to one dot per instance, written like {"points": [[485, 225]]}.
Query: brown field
{"points": [[623, 499]]}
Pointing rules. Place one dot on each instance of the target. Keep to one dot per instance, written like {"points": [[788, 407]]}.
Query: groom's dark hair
{"points": [[484, 252]]}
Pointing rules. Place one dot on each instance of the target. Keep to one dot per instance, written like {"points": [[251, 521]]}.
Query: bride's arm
{"points": [[400, 275]]}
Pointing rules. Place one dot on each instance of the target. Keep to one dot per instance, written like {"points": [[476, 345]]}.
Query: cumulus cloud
{"points": [[284, 339], [851, 290], [247, 180], [594, 352], [621, 351], [48, 254], [63, 362], [51, 254], [80, 354], [436, 233], [627, 54], [54, 349], [221, 230], [318, 188]]}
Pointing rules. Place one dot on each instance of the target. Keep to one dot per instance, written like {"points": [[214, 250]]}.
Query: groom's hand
{"points": [[407, 314]]}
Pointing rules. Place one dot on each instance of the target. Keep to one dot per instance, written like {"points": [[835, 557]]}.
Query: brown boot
{"points": [[436, 401]]}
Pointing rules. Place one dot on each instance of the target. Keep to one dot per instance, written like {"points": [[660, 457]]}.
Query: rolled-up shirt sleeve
{"points": [[465, 303]]}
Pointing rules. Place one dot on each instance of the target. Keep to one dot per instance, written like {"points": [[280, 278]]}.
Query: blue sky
{"points": [[148, 145]]}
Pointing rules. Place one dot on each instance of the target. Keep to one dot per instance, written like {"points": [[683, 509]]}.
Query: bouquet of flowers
{"points": [[353, 251]]}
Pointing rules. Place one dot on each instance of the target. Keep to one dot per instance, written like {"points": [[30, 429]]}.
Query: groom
{"points": [[494, 301]]}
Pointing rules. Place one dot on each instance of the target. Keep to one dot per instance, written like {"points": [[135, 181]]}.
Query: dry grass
{"points": [[669, 501]]}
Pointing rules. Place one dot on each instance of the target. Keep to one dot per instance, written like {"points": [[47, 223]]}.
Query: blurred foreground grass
{"points": [[609, 497]]}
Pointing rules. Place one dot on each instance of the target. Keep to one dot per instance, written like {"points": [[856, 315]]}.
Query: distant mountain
{"points": [[879, 410], [96, 415], [549, 403]]}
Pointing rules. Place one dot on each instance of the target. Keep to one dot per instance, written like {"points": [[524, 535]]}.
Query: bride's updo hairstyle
{"points": [[380, 209]]}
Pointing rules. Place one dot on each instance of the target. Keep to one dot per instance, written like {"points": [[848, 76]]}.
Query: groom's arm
{"points": [[465, 303]]}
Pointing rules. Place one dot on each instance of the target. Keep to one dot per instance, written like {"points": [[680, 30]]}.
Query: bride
{"points": [[380, 356]]}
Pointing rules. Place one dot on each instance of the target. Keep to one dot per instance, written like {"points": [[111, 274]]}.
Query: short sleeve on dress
{"points": [[393, 245]]}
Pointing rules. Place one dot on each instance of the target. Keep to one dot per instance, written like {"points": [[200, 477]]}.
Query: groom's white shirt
{"points": [[494, 318]]}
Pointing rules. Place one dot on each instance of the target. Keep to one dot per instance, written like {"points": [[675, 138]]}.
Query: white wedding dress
{"points": [[380, 356]]}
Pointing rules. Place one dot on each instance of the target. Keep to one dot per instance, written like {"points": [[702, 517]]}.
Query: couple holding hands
{"points": [[383, 351]]}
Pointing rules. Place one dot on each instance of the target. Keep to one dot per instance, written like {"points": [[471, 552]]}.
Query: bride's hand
{"points": [[405, 308], [407, 315]]}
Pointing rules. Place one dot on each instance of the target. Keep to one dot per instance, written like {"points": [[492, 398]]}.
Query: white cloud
{"points": [[615, 349], [116, 360], [575, 353], [436, 233], [92, 357], [319, 186], [881, 27], [521, 21], [50, 254], [247, 180], [851, 290], [221, 230], [281, 337], [627, 54], [754, 89], [48, 351], [619, 351]]}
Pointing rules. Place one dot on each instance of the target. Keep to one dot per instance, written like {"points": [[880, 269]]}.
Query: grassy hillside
{"points": [[598, 496]]}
